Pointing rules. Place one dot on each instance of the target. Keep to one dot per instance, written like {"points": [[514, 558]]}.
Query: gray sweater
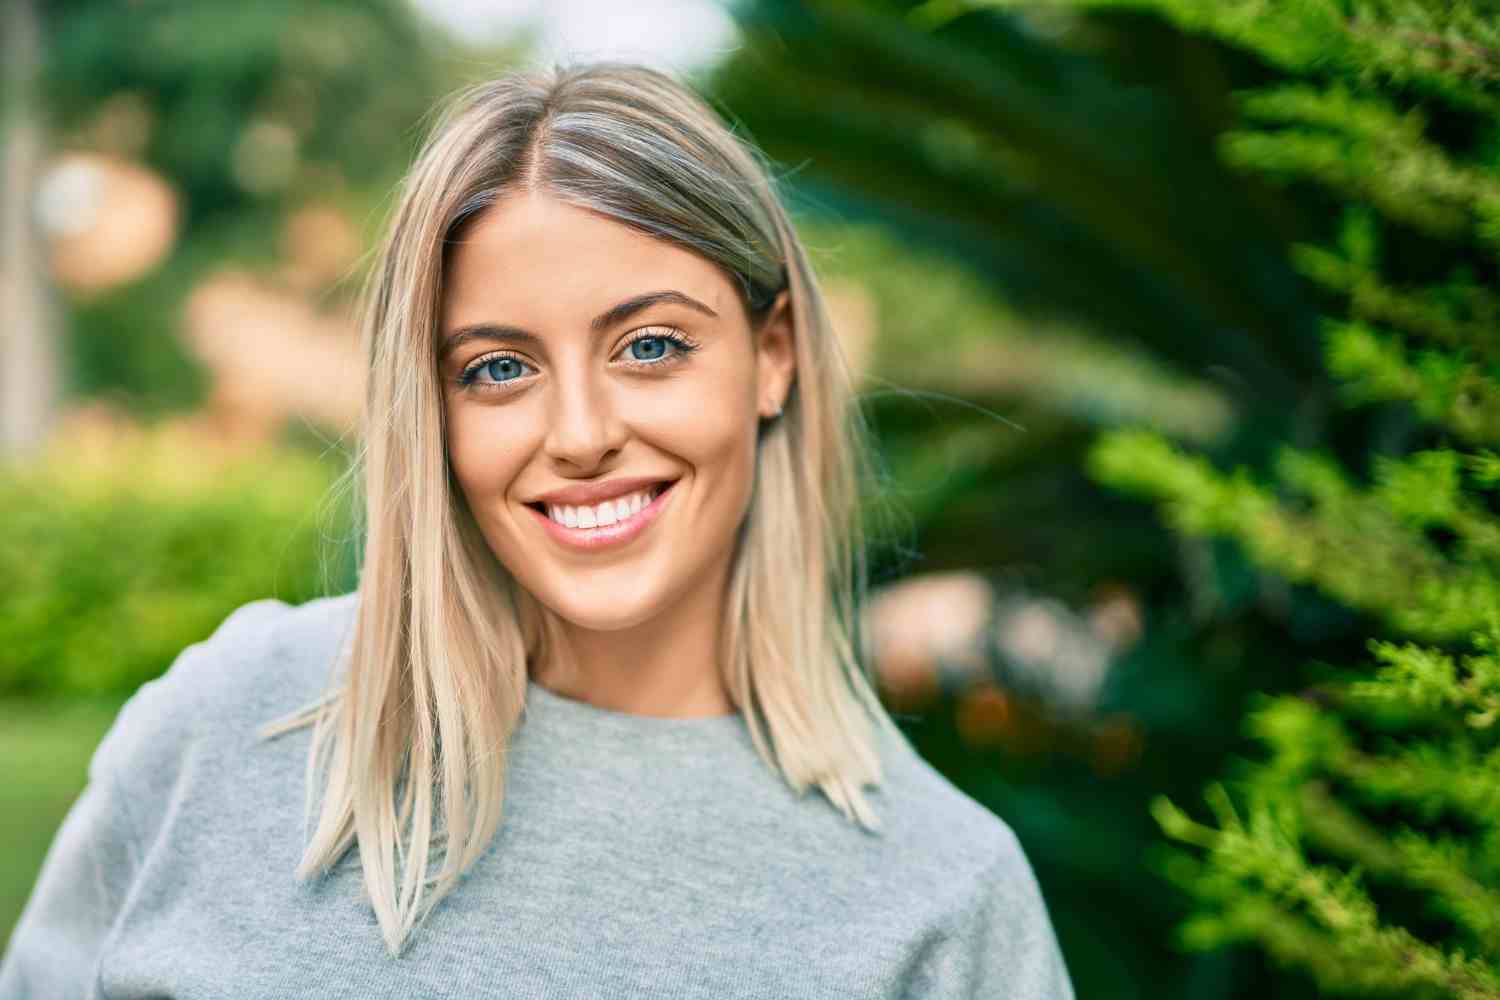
{"points": [[636, 857]]}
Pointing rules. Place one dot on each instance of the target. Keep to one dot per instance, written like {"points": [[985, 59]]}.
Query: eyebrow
{"points": [[615, 314]]}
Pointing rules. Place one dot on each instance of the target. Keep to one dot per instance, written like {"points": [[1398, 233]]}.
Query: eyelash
{"points": [[684, 346]]}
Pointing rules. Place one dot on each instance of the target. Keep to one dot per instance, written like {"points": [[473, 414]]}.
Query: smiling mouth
{"points": [[588, 516]]}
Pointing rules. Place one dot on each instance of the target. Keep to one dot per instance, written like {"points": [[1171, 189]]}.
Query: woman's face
{"points": [[553, 381]]}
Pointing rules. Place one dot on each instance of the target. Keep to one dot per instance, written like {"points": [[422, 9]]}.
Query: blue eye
{"points": [[656, 348], [496, 369], [499, 369], [655, 352]]}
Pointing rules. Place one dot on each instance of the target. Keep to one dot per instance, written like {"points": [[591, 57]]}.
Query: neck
{"points": [[667, 667]]}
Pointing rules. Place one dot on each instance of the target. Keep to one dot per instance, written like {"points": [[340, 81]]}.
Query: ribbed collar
{"points": [[550, 717]]}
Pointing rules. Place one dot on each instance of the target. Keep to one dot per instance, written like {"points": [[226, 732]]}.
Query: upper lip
{"points": [[585, 494]]}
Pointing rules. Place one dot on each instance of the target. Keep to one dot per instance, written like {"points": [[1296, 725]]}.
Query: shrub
{"points": [[125, 544]]}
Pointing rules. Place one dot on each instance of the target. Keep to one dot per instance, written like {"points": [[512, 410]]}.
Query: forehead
{"points": [[534, 261]]}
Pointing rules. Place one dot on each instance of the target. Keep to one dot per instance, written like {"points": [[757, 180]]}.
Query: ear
{"points": [[776, 356]]}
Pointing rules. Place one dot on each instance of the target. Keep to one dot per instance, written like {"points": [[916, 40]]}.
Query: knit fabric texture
{"points": [[637, 856]]}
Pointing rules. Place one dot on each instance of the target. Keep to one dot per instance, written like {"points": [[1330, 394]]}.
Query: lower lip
{"points": [[609, 535]]}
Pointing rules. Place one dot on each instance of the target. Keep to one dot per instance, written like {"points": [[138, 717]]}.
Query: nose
{"points": [[584, 425]]}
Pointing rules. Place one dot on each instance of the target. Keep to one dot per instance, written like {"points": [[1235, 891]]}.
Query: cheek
{"points": [[486, 452], [707, 421]]}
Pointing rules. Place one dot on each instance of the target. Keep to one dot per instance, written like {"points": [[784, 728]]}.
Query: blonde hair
{"points": [[437, 658]]}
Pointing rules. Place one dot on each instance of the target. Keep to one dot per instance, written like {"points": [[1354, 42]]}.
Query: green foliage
{"points": [[1436, 48], [1370, 855], [247, 111], [1318, 917], [1103, 268], [116, 349], [1369, 547], [987, 350], [122, 548], [1035, 170], [341, 78]]}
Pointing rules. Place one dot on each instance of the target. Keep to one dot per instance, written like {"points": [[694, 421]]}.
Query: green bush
{"points": [[124, 545]]}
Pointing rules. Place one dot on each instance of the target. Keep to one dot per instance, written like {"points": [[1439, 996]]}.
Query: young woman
{"points": [[598, 691]]}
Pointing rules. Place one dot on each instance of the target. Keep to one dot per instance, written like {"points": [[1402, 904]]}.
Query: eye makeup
{"points": [[681, 346]]}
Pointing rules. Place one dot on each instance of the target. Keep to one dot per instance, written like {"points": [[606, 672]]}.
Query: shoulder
{"points": [[990, 917], [266, 657], [261, 654], [925, 807], [939, 835]]}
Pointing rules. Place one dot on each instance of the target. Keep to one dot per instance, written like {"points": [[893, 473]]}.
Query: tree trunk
{"points": [[28, 312]]}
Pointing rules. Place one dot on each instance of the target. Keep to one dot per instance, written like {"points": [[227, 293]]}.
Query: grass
{"points": [[45, 748]]}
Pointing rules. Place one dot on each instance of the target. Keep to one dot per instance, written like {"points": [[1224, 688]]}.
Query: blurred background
{"points": [[1176, 322]]}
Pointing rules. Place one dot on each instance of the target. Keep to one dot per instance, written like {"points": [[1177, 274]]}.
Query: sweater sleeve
{"points": [[91, 866], [81, 887], [1002, 946]]}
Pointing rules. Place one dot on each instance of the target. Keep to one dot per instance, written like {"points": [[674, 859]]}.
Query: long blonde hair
{"points": [[437, 659]]}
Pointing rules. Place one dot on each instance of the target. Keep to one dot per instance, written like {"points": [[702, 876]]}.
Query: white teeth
{"points": [[563, 515], [608, 512]]}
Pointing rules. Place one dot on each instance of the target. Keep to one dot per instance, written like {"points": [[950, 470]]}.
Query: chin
{"points": [[602, 619], [602, 598]]}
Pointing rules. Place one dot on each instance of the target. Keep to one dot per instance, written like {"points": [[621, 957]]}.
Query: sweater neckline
{"points": [[556, 713]]}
